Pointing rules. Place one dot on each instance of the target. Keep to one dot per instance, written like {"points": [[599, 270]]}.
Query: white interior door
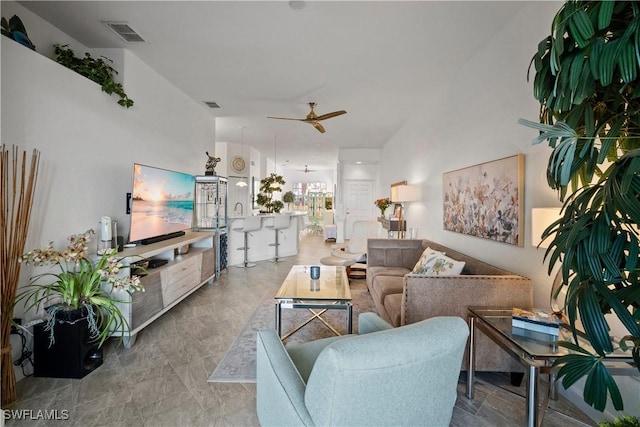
{"points": [[358, 203]]}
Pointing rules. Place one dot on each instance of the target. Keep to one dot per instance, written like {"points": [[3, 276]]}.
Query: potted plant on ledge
{"points": [[79, 295]]}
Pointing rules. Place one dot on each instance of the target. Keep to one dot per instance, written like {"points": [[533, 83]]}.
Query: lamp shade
{"points": [[404, 193], [541, 218]]}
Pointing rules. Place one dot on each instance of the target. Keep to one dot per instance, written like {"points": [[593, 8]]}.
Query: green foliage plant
{"points": [[79, 286], [288, 198], [624, 421], [586, 80], [97, 70], [269, 185]]}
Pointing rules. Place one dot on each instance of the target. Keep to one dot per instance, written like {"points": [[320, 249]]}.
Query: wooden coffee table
{"points": [[330, 292]]}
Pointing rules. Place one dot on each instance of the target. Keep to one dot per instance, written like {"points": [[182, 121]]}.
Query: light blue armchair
{"points": [[384, 376]]}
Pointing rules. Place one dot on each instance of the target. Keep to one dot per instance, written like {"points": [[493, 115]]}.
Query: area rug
{"points": [[239, 362]]}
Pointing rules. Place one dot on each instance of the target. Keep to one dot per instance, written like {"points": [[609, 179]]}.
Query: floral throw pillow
{"points": [[443, 266], [427, 256]]}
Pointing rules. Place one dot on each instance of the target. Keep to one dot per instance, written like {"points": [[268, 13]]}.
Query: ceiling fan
{"points": [[312, 118], [306, 169]]}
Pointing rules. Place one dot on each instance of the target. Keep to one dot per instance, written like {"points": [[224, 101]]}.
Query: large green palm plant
{"points": [[587, 84]]}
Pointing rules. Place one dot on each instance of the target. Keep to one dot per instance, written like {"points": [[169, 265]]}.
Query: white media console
{"points": [[166, 285]]}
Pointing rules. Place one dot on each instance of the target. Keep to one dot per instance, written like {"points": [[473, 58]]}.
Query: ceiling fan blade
{"points": [[318, 126], [286, 118], [330, 115]]}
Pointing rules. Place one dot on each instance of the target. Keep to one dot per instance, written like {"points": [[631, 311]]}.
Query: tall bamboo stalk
{"points": [[16, 199]]}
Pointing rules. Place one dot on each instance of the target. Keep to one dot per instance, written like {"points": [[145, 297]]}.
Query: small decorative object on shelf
{"points": [[14, 29], [210, 168], [382, 204], [538, 321]]}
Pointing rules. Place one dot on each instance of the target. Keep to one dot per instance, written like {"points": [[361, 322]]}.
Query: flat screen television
{"points": [[161, 203]]}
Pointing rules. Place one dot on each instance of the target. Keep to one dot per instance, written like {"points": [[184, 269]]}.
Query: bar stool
{"points": [[279, 222], [251, 223]]}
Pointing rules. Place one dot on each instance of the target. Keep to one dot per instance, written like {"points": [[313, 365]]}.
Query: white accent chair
{"points": [[308, 226], [353, 254], [329, 228]]}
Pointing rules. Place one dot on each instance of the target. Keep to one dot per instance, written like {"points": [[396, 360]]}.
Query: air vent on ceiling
{"points": [[124, 30], [212, 104]]}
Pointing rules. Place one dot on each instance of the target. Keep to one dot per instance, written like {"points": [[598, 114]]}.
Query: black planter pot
{"points": [[73, 355]]}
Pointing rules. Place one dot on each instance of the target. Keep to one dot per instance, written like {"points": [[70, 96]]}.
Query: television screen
{"points": [[161, 202]]}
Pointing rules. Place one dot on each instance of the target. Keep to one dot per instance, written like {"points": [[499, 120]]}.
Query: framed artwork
{"points": [[397, 208], [486, 200]]}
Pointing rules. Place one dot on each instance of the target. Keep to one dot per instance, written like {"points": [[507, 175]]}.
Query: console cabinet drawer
{"points": [[146, 304], [185, 268], [208, 264], [180, 279]]}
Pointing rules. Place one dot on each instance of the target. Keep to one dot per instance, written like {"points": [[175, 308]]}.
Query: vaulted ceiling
{"points": [[378, 60]]}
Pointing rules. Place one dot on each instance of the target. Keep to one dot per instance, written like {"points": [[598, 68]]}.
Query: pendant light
{"points": [[275, 158], [242, 182]]}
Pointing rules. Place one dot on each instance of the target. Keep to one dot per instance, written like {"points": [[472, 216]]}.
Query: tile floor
{"points": [[162, 379]]}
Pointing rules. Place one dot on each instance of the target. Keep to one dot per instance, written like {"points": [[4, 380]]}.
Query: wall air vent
{"points": [[212, 104], [125, 32]]}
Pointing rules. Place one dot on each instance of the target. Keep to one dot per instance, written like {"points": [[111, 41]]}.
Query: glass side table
{"points": [[534, 350]]}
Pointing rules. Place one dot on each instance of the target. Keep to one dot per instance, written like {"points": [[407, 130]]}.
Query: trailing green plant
{"points": [[269, 185], [587, 84], [97, 70], [79, 286], [626, 421]]}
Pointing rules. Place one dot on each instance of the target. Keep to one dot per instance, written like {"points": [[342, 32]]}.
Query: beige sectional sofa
{"points": [[402, 298]]}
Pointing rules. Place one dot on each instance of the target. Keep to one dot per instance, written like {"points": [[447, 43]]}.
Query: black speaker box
{"points": [[71, 356]]}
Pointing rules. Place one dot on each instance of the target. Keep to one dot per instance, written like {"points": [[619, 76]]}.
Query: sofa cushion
{"points": [[393, 304], [374, 272], [440, 265], [427, 255], [385, 285]]}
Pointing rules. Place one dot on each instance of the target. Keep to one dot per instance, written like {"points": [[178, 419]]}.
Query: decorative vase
{"points": [[382, 212]]}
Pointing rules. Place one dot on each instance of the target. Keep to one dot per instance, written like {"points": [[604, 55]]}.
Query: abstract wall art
{"points": [[486, 200]]}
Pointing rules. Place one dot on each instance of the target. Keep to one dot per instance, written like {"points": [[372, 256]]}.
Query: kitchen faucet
{"points": [[241, 209]]}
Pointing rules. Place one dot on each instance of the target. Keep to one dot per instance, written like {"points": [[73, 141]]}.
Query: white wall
{"points": [[88, 142], [474, 120]]}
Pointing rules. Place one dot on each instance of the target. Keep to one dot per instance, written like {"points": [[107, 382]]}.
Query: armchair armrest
{"points": [[371, 322], [280, 388], [430, 296]]}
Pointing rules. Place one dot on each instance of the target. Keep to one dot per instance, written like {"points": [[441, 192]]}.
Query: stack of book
{"points": [[538, 321]]}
